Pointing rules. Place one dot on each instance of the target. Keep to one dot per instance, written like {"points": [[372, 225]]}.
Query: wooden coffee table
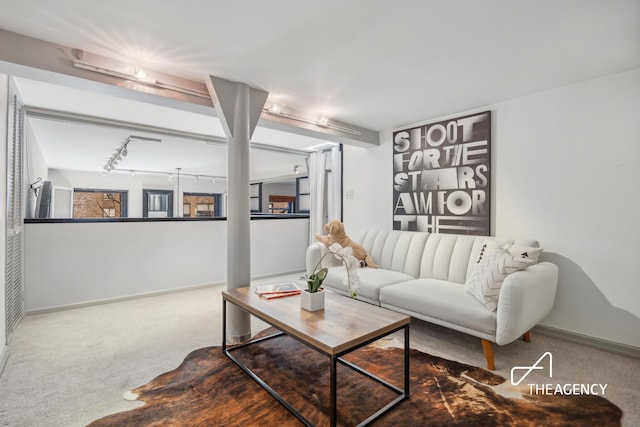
{"points": [[342, 327]]}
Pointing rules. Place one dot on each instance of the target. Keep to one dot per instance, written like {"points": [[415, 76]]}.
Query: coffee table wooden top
{"points": [[344, 323]]}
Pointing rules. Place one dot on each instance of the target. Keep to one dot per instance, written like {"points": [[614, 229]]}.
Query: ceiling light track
{"points": [[197, 177], [322, 121], [140, 76]]}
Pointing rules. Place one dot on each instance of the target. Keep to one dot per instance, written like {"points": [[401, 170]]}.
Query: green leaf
{"points": [[322, 274], [315, 280]]}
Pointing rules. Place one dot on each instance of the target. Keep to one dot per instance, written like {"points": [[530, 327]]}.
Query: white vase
{"points": [[312, 301]]}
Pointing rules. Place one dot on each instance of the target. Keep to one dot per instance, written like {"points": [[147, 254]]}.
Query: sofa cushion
{"points": [[441, 300], [489, 273], [371, 281]]}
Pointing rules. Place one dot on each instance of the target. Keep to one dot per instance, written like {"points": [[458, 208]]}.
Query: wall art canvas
{"points": [[442, 176]]}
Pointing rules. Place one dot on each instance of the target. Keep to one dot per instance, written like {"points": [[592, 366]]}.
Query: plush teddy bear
{"points": [[336, 234]]}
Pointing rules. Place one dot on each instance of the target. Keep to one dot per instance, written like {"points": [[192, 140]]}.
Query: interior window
{"points": [[157, 203], [97, 203], [201, 205]]}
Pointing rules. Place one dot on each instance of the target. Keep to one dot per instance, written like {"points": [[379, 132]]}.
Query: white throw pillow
{"points": [[489, 273], [526, 252], [491, 244]]}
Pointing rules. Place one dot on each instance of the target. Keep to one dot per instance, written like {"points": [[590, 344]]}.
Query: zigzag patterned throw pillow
{"points": [[489, 273]]}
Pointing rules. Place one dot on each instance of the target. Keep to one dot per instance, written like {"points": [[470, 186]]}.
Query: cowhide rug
{"points": [[208, 389]]}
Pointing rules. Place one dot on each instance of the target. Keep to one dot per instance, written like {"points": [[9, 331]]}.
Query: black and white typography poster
{"points": [[442, 176]]}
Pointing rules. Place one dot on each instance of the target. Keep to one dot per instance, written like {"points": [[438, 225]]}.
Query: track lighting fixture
{"points": [[322, 121], [140, 73], [274, 109], [123, 151], [168, 175]]}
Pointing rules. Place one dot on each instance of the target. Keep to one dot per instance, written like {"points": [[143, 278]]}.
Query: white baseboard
{"points": [[144, 295], [598, 343], [118, 299]]}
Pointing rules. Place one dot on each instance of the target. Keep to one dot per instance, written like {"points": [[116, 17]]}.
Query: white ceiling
{"points": [[372, 63]]}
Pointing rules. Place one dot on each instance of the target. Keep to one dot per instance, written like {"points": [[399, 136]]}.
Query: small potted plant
{"points": [[312, 298]]}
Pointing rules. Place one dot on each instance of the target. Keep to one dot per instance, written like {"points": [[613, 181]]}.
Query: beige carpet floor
{"points": [[71, 367]]}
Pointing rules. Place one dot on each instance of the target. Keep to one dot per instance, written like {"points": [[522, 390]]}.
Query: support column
{"points": [[239, 107]]}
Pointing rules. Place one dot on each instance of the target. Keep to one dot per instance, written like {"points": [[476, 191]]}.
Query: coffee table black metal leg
{"points": [[334, 391], [407, 378], [224, 325]]}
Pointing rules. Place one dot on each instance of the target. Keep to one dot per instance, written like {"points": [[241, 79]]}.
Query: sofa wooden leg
{"points": [[487, 347], [527, 336]]}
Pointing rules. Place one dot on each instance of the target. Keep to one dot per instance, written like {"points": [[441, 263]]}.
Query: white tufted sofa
{"points": [[423, 275]]}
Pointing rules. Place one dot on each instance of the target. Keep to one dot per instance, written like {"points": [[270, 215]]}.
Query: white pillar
{"points": [[239, 107]]}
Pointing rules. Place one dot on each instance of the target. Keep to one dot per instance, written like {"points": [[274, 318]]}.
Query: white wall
{"points": [[4, 95], [78, 263], [564, 172]]}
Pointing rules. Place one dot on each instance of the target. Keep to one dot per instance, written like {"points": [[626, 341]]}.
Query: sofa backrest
{"points": [[395, 250], [451, 256], [429, 255]]}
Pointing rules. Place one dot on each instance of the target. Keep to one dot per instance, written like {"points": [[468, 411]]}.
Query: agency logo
{"points": [[549, 388], [535, 366]]}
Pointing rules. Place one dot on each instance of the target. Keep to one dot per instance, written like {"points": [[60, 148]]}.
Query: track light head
{"points": [[140, 73], [275, 109]]}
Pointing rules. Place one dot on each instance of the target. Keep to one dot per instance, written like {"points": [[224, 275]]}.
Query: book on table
{"points": [[277, 290]]}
